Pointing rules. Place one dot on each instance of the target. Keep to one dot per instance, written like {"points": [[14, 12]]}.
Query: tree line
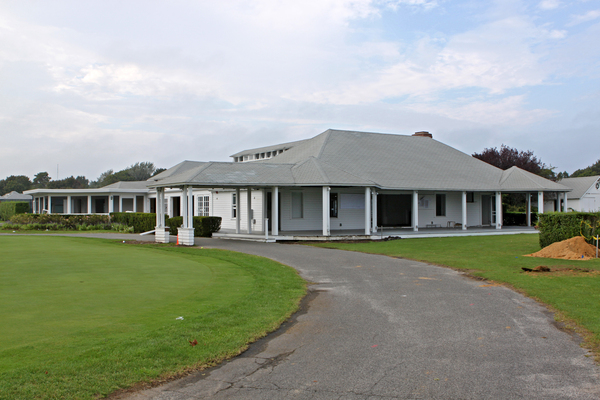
{"points": [[507, 157], [140, 171]]}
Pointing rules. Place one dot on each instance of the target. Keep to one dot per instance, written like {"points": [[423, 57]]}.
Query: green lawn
{"points": [[81, 317], [576, 295]]}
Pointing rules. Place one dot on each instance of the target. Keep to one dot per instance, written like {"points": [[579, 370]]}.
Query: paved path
{"points": [[382, 328]]}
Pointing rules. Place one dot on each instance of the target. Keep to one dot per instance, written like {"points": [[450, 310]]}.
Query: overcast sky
{"points": [[97, 85]]}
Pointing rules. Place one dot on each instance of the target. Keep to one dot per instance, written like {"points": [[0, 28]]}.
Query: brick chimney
{"points": [[424, 134]]}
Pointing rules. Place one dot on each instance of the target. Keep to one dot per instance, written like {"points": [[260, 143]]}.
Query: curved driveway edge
{"points": [[386, 328]]}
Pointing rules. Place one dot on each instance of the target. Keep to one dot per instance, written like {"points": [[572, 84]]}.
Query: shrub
{"points": [[11, 208], [206, 226], [556, 227], [141, 222], [203, 226], [174, 223], [43, 222]]}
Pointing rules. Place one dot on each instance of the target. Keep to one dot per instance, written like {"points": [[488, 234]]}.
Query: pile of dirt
{"points": [[571, 249]]}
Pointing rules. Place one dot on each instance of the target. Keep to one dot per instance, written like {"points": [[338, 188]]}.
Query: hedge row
{"points": [[10, 208], [556, 227], [70, 221], [144, 222], [141, 222], [203, 226]]}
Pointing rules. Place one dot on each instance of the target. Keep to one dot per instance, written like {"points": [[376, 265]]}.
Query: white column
{"points": [[183, 206], [275, 211], [540, 202], [161, 232], [498, 210], [238, 210], [464, 211], [111, 204], [326, 213], [89, 205], [190, 206], [415, 210], [367, 211], [160, 211], [374, 208], [565, 205], [249, 208], [121, 203], [68, 210], [528, 209], [49, 204]]}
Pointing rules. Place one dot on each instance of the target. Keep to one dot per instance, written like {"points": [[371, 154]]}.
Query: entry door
{"points": [[486, 210], [394, 210]]}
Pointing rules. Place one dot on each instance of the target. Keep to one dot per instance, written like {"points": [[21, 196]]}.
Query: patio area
{"points": [[402, 233]]}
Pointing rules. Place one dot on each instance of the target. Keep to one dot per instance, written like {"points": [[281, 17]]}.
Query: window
{"points": [[440, 205], [203, 206], [470, 197], [233, 205], [297, 206], [333, 205]]}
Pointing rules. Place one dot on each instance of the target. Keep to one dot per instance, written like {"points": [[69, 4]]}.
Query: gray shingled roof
{"points": [[127, 185], [16, 196], [579, 185], [347, 158]]}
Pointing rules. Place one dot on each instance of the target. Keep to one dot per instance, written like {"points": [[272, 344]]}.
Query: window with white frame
{"points": [[203, 206], [233, 205], [297, 206]]}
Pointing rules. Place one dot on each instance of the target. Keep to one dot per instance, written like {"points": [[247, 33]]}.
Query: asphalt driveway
{"points": [[376, 327]]}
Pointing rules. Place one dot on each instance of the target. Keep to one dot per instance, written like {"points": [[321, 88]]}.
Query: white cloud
{"points": [[549, 4], [588, 16]]}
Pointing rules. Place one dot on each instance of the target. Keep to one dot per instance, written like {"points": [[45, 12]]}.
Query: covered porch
{"points": [[382, 234]]}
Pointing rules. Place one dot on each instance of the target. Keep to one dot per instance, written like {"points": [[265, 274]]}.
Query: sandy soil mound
{"points": [[571, 249]]}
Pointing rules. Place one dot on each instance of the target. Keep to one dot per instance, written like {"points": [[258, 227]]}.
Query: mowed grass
{"points": [[574, 294], [81, 318]]}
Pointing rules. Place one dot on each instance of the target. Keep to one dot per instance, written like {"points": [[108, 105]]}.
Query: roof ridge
{"points": [[328, 135]]}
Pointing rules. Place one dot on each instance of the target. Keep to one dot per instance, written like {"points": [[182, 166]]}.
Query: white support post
{"points": [[238, 210], [275, 211], [89, 204], [565, 205], [49, 204], [528, 209], [498, 210], [161, 232], [111, 204], [185, 234], [183, 206], [249, 209], [190, 207], [68, 205], [374, 211], [367, 211], [464, 211], [326, 212], [415, 210], [540, 202], [121, 203]]}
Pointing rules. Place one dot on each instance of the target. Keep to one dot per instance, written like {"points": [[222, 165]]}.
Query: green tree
{"points": [[81, 182], [41, 180], [16, 183], [592, 170]]}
